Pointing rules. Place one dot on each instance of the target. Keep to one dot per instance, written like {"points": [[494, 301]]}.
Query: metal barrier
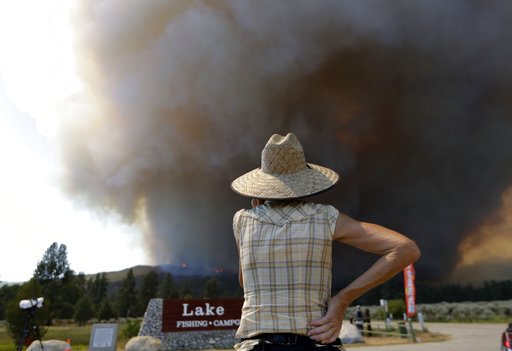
{"points": [[400, 330]]}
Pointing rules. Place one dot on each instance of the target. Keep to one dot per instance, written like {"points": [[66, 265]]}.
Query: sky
{"points": [[34, 212], [109, 125]]}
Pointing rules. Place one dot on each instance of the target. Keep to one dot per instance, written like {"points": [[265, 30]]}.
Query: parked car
{"points": [[506, 339]]}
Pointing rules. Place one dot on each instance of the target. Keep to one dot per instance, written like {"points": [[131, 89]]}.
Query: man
{"points": [[285, 253], [358, 318]]}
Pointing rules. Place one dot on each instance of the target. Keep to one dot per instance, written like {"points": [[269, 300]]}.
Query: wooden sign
{"points": [[201, 314]]}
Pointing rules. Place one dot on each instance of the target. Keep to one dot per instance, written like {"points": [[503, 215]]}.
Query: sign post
{"points": [[410, 295]]}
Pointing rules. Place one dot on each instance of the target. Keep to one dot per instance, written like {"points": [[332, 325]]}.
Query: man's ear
{"points": [[257, 202]]}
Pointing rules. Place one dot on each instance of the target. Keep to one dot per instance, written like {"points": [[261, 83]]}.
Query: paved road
{"points": [[465, 337]]}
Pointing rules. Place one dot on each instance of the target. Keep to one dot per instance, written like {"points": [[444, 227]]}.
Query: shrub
{"points": [[66, 310], [454, 311], [131, 328], [17, 318], [397, 308]]}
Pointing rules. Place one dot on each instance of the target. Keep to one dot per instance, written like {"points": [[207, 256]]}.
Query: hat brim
{"points": [[312, 180]]}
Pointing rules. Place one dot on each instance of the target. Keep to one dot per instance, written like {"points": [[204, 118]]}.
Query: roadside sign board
{"points": [[103, 337], [201, 314]]}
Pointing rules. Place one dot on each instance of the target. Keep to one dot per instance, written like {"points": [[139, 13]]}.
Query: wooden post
{"points": [[413, 335]]}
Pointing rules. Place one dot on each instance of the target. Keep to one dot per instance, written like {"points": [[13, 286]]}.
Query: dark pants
{"points": [[299, 346]]}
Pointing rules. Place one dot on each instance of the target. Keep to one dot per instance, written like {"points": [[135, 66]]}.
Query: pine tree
{"points": [[212, 288], [7, 293], [126, 297], [148, 290], [105, 311], [53, 265], [81, 281], [185, 291], [167, 289], [83, 310], [58, 281], [97, 289]]}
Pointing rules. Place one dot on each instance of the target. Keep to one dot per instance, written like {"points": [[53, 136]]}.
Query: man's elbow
{"points": [[411, 250]]}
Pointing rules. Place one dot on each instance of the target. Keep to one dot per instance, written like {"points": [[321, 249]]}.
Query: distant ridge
{"points": [[114, 276], [9, 283], [176, 270]]}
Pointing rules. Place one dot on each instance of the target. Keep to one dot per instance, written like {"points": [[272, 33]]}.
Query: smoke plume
{"points": [[408, 101]]}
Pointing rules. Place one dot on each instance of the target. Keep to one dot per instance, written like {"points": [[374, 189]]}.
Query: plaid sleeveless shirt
{"points": [[286, 257]]}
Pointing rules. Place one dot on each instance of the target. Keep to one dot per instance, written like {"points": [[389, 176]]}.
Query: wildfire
{"points": [[481, 246]]}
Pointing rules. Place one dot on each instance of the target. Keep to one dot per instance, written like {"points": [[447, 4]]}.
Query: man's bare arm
{"points": [[396, 250]]}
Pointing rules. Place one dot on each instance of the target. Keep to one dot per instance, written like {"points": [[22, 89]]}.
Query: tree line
{"points": [[433, 293], [74, 296], [68, 295]]}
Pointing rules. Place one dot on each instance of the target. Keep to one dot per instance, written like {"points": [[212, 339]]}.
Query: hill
{"points": [[177, 271], [117, 276], [194, 278]]}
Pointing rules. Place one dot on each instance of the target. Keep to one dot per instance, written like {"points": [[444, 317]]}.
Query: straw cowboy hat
{"points": [[284, 173]]}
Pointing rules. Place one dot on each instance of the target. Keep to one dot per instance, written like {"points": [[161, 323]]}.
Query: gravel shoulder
{"points": [[463, 337]]}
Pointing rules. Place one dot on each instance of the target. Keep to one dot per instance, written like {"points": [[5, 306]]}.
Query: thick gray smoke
{"points": [[409, 101]]}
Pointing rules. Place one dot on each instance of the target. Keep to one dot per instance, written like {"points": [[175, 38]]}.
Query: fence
{"points": [[387, 329]]}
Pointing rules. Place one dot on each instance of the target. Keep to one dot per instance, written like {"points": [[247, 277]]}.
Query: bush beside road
{"points": [[483, 311]]}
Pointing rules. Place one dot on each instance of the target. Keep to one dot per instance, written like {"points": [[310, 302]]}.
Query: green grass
{"points": [[79, 337], [5, 341]]}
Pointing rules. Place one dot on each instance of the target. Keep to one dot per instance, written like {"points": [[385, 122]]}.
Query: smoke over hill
{"points": [[408, 101]]}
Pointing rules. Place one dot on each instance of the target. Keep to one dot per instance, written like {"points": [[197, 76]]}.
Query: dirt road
{"points": [[465, 337]]}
